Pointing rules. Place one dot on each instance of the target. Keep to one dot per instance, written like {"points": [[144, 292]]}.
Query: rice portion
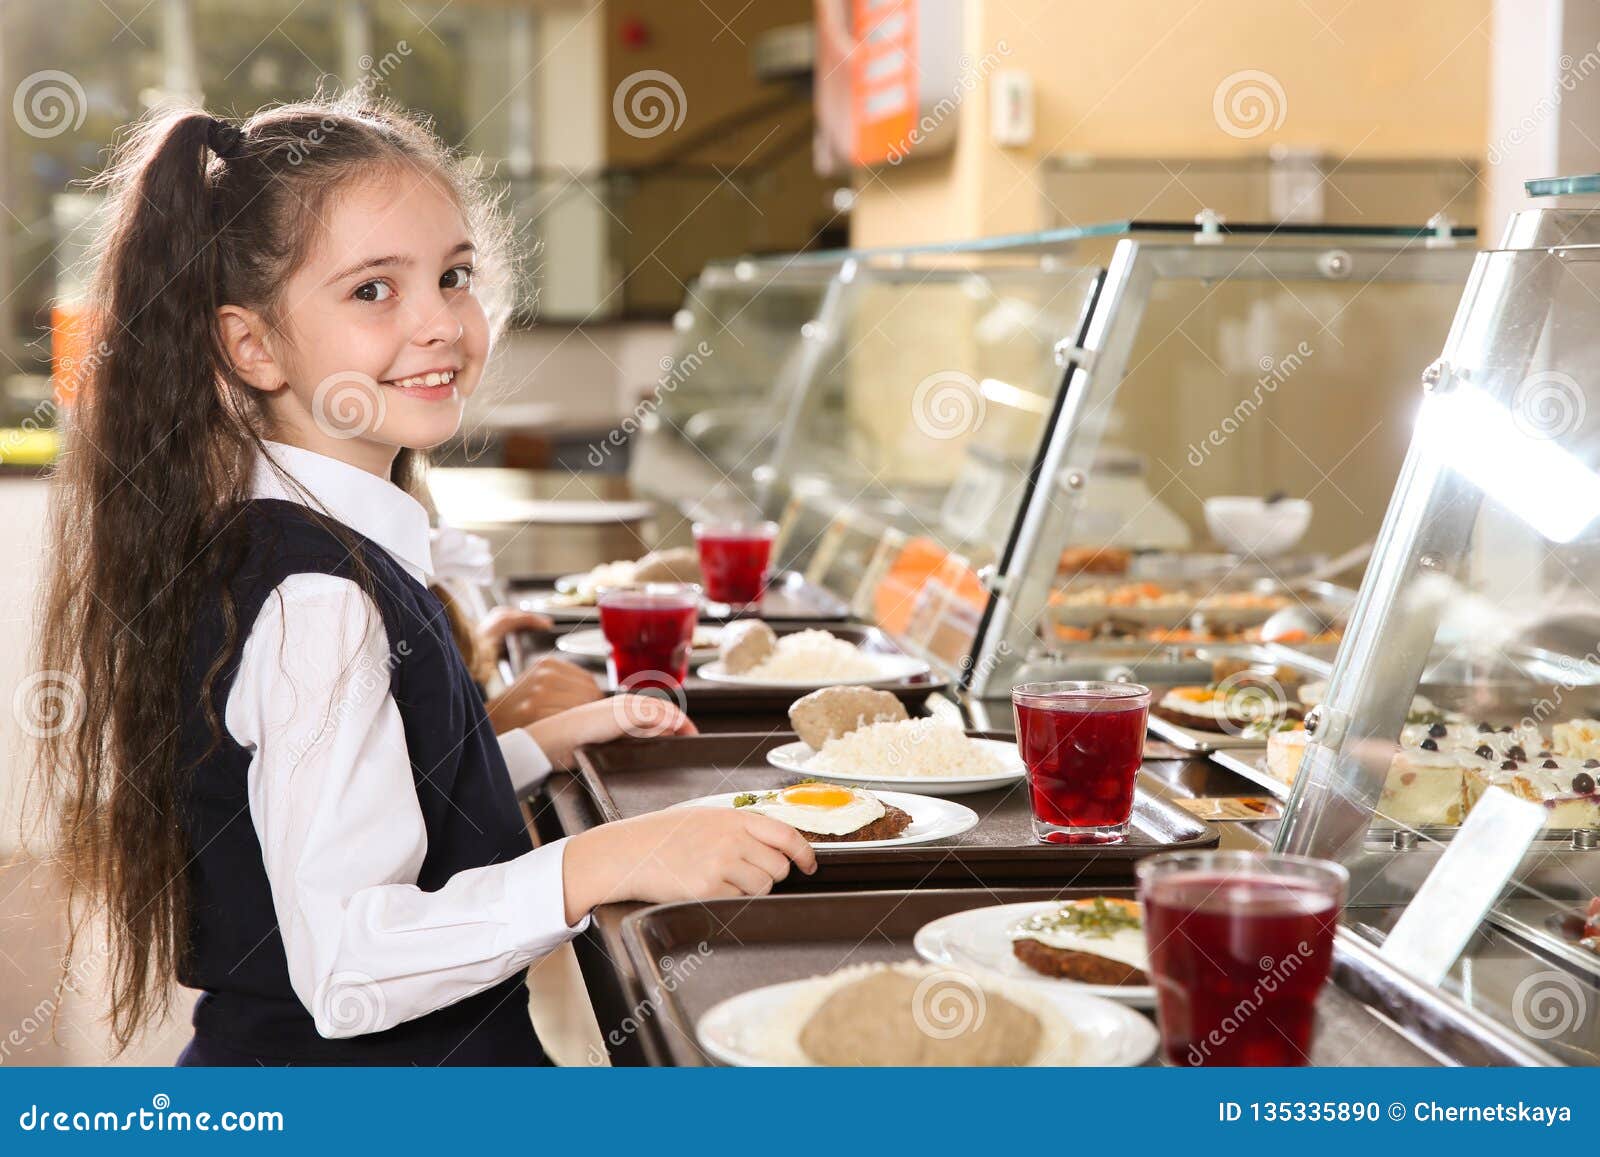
{"points": [[915, 748], [807, 655]]}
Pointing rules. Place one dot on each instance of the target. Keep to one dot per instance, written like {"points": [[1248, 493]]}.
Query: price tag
{"points": [[1453, 900], [1232, 808]]}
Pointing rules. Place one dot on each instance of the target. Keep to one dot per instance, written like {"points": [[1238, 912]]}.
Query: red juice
{"points": [[1238, 959], [1082, 749], [734, 560], [650, 634]]}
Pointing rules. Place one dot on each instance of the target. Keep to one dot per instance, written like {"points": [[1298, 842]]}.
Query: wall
{"points": [[669, 225], [1374, 79]]}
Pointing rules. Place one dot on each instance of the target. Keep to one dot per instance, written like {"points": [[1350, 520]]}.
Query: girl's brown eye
{"points": [[374, 291], [458, 277]]}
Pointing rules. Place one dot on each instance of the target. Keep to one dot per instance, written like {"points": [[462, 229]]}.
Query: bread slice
{"points": [[680, 564], [745, 644], [834, 711]]}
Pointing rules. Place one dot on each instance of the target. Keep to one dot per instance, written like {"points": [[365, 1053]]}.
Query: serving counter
{"points": [[650, 970], [1162, 454]]}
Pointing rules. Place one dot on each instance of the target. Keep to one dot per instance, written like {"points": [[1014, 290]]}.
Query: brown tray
{"points": [[789, 598], [690, 956], [632, 777]]}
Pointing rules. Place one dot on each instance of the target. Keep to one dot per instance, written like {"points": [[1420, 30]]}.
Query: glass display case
{"points": [[738, 353], [968, 440], [1451, 762], [903, 462], [1235, 415]]}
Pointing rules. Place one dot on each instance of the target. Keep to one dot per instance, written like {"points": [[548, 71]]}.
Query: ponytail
{"points": [[150, 455]]}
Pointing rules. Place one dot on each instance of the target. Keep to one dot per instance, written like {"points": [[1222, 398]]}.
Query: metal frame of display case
{"points": [[757, 275], [875, 521], [1020, 583]]}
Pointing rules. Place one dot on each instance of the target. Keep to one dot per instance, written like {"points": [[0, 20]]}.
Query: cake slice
{"points": [[1578, 738], [1563, 785], [1424, 789], [1285, 749]]}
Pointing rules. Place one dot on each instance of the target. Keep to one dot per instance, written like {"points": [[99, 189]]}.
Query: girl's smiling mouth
{"points": [[431, 385]]}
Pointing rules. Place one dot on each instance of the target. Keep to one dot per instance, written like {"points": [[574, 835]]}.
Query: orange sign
{"points": [[883, 79]]}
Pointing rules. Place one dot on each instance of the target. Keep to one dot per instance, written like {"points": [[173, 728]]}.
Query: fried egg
{"points": [[823, 808]]}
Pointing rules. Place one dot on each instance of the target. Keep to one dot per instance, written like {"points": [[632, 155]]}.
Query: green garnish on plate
{"points": [[1099, 918]]}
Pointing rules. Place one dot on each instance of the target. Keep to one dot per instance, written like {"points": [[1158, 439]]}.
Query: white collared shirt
{"points": [[331, 792]]}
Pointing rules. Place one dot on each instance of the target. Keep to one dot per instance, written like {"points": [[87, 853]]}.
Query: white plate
{"points": [[571, 584], [892, 669], [568, 584], [978, 940], [561, 608], [590, 643], [1199, 740], [793, 757], [1107, 1034], [931, 819], [491, 511]]}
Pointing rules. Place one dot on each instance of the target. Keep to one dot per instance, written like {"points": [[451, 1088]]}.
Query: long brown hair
{"points": [[157, 456]]}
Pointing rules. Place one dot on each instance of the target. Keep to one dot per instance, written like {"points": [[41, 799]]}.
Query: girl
{"points": [[279, 780]]}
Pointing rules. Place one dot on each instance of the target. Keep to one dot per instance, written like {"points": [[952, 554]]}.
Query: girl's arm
{"points": [[335, 809]]}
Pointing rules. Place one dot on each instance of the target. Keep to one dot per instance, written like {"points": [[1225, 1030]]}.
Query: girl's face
{"points": [[385, 337]]}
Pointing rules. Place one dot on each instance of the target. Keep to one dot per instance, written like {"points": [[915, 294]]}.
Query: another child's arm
{"points": [[493, 628], [548, 687]]}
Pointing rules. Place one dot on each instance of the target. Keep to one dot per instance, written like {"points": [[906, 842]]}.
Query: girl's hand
{"points": [[640, 716], [546, 688], [493, 628], [682, 854]]}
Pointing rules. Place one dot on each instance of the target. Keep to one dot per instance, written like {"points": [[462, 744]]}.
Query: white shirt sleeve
{"points": [[525, 760], [335, 808]]}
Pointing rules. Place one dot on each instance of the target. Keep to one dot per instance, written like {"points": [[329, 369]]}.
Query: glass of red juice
{"points": [[735, 559], [649, 628], [1082, 743], [1240, 944]]}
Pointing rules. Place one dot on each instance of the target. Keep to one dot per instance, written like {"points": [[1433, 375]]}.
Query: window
{"points": [[80, 70]]}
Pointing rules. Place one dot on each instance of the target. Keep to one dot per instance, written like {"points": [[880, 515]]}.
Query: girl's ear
{"points": [[244, 338]]}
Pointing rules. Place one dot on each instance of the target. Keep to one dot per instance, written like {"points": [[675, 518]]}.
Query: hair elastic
{"points": [[224, 139]]}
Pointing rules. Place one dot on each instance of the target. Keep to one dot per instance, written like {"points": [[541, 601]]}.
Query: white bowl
{"points": [[1248, 525]]}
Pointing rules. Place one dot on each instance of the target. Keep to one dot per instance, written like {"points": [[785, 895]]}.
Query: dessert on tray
{"points": [[1445, 762], [1239, 698]]}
